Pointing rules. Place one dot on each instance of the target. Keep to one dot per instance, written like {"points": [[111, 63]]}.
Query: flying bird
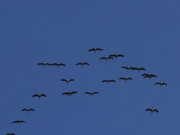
{"points": [[116, 55], [160, 83], [43, 64], [152, 110], [10, 134], [58, 64], [82, 63], [127, 68], [95, 49], [148, 75], [18, 121], [91, 93], [69, 93], [39, 95], [108, 81], [67, 80], [125, 78], [27, 109], [138, 68], [106, 58]]}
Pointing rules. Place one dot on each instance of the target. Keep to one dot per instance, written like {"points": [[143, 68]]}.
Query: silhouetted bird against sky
{"points": [[82, 63], [69, 93], [106, 58], [39, 95], [125, 78], [108, 81], [27, 109], [138, 68], [10, 134], [43, 64], [95, 49], [58, 64], [18, 121], [116, 55], [91, 93], [152, 110], [67, 80], [160, 83], [127, 68], [148, 75]]}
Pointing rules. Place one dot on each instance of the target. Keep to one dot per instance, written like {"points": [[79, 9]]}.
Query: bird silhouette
{"points": [[10, 134], [18, 121], [127, 68], [125, 78], [138, 68], [67, 80], [82, 63], [27, 109], [43, 64], [116, 55], [69, 93], [95, 49], [58, 64], [108, 80], [160, 83], [39, 95], [149, 75], [91, 93], [152, 110], [106, 58]]}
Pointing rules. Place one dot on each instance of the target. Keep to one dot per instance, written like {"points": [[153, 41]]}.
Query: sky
{"points": [[145, 32]]}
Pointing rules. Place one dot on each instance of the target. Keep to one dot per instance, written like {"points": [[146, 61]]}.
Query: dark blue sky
{"points": [[146, 32]]}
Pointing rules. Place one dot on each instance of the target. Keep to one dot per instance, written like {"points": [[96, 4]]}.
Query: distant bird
{"points": [[106, 58], [160, 83], [69, 93], [58, 64], [43, 64], [82, 63], [127, 68], [27, 109], [148, 75], [67, 80], [138, 68], [18, 121], [108, 81], [116, 55], [125, 78], [39, 95], [91, 93], [10, 134], [95, 49], [152, 110]]}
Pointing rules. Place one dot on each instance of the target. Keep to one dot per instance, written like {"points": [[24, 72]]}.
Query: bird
{"points": [[67, 80], [39, 95], [116, 55], [82, 63], [125, 78], [58, 64], [138, 68], [106, 58], [69, 93], [18, 121], [91, 93], [27, 109], [10, 134], [108, 81], [95, 49], [128, 68], [43, 64], [160, 83], [149, 75], [152, 110]]}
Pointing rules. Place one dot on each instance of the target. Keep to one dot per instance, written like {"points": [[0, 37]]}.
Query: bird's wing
{"points": [[73, 92], [24, 109], [15, 121], [148, 109], [87, 92], [64, 80], [22, 121], [103, 58], [129, 78], [99, 49], [35, 95], [104, 80], [85, 63], [79, 63], [91, 49], [31, 109], [62, 64], [71, 79], [112, 81], [156, 110], [95, 92], [43, 95]]}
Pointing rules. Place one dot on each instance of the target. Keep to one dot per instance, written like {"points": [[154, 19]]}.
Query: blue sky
{"points": [[146, 32]]}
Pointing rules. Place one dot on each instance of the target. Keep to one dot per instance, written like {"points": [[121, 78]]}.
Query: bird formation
{"points": [[91, 93]]}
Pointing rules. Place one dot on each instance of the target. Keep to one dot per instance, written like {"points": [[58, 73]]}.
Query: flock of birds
{"points": [[69, 93]]}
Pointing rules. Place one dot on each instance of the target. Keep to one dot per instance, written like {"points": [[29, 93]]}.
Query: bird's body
{"points": [[10, 134], [27, 109], [43, 64], [125, 78], [108, 80], [152, 110], [149, 75], [91, 93], [39, 95], [95, 49], [116, 55], [67, 80], [106, 58], [160, 83], [69, 93], [58, 64], [82, 63], [18, 121]]}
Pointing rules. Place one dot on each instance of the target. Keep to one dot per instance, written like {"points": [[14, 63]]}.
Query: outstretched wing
{"points": [[99, 49], [64, 80], [24, 109], [148, 109], [73, 92], [31, 109], [15, 121], [79, 63], [42, 95], [71, 79], [156, 110], [112, 81], [35, 95]]}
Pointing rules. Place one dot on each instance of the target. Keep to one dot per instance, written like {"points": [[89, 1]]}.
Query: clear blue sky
{"points": [[146, 32]]}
